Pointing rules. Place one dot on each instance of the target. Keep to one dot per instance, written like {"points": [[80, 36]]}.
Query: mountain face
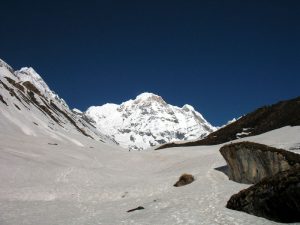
{"points": [[148, 121], [29, 107], [262, 120]]}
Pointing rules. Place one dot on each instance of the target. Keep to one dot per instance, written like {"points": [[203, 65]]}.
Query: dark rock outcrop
{"points": [[184, 180], [250, 162], [264, 119], [135, 209], [276, 198], [2, 100]]}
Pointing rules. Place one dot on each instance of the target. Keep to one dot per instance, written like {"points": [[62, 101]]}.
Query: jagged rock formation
{"points": [[264, 119], [250, 162], [275, 198], [148, 121], [27, 102]]}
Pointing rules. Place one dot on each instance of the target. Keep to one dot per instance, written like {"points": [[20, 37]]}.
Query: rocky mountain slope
{"points": [[264, 119], [28, 106], [148, 121]]}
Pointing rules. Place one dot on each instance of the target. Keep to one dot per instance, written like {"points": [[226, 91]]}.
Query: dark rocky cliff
{"points": [[250, 162], [276, 198]]}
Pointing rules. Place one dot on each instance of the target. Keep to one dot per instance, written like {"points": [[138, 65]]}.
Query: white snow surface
{"points": [[77, 111], [96, 184], [148, 121]]}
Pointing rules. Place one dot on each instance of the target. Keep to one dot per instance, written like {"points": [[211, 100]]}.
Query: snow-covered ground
{"points": [[94, 183]]}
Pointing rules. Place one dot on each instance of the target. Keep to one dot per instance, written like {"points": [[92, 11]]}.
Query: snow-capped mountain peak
{"points": [[8, 67], [146, 96], [187, 107], [148, 121], [28, 74], [139, 123], [30, 107], [77, 111]]}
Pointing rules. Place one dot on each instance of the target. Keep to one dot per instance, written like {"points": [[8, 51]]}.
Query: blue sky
{"points": [[226, 58]]}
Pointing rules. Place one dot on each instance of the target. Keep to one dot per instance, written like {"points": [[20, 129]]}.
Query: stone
{"points": [[276, 198], [250, 162], [135, 209], [184, 180]]}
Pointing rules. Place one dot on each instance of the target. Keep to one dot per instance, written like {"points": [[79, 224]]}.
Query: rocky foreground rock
{"points": [[276, 198], [250, 162]]}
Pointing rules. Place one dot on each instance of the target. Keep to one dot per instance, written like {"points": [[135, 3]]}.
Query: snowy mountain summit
{"points": [[28, 107], [147, 121]]}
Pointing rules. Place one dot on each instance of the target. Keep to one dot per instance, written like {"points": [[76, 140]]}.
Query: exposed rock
{"points": [[250, 162], [275, 198], [17, 106], [52, 144], [138, 208], [184, 180], [31, 87], [264, 119], [2, 100]]}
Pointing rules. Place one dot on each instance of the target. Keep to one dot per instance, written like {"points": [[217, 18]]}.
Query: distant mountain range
{"points": [[29, 106], [147, 121]]}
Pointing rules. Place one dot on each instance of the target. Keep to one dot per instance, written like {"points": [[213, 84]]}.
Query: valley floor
{"points": [[96, 184]]}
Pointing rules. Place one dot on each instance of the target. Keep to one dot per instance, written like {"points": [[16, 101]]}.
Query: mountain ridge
{"points": [[259, 121], [32, 108], [147, 121], [136, 124]]}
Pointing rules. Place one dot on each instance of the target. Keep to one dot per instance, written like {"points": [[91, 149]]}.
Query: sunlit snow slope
{"points": [[29, 107], [97, 184]]}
